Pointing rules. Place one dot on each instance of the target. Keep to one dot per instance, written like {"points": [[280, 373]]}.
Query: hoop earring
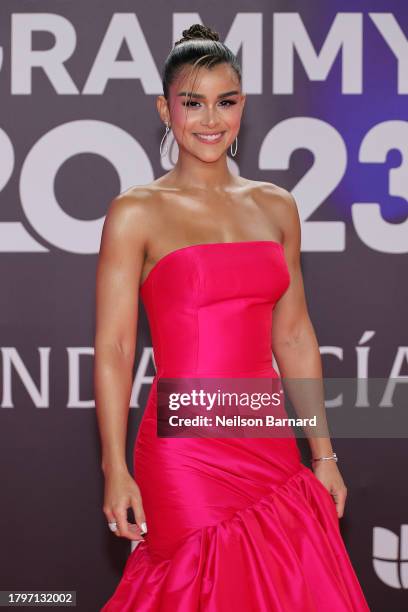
{"points": [[163, 140], [236, 147]]}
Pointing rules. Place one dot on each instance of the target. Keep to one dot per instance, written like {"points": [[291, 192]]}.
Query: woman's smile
{"points": [[209, 138]]}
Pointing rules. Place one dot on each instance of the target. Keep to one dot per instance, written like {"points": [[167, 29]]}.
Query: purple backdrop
{"points": [[325, 118]]}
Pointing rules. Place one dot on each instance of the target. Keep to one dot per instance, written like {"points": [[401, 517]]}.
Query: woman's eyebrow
{"points": [[202, 96]]}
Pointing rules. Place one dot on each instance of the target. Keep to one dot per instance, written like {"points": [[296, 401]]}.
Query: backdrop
{"points": [[326, 118]]}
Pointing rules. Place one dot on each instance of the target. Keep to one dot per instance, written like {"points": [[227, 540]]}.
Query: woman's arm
{"points": [[117, 284], [297, 354]]}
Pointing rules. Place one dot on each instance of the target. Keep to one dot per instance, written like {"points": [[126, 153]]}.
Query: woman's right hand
{"points": [[121, 493]]}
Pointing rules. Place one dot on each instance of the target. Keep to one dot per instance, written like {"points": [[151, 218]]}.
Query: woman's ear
{"points": [[162, 108]]}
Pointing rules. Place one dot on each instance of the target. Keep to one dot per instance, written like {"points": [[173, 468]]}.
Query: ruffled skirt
{"points": [[233, 524]]}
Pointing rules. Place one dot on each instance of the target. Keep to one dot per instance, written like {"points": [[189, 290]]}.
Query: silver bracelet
{"points": [[333, 456]]}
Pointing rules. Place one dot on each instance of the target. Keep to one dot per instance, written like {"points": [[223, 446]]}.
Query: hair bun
{"points": [[197, 30]]}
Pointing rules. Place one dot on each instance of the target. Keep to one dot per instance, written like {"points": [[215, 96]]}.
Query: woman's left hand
{"points": [[329, 475]]}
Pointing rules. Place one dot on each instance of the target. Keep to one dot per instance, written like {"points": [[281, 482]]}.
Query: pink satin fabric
{"points": [[239, 523]]}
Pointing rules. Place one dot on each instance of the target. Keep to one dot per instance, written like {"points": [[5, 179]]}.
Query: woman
{"points": [[237, 523]]}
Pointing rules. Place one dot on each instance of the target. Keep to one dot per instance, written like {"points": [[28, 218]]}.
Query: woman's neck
{"points": [[193, 173]]}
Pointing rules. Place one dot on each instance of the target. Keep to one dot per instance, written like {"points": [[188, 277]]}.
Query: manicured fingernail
{"points": [[143, 528]]}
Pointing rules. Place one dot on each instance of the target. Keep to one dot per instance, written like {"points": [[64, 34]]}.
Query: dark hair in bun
{"points": [[199, 45], [198, 31]]}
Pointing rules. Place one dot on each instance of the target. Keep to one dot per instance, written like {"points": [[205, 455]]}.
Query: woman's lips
{"points": [[209, 139]]}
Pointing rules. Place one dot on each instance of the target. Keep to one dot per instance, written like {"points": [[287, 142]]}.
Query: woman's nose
{"points": [[210, 117]]}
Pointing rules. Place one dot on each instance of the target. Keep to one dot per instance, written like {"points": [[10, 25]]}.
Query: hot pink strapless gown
{"points": [[235, 523]]}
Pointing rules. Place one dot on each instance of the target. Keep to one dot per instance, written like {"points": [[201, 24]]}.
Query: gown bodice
{"points": [[210, 307]]}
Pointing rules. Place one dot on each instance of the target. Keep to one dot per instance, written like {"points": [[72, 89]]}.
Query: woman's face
{"points": [[214, 110]]}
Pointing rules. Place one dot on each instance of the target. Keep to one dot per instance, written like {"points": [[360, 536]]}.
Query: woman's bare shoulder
{"points": [[136, 198], [131, 217], [275, 199], [279, 206], [271, 193], [137, 204]]}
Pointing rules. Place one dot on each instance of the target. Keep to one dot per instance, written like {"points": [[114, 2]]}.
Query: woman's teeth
{"points": [[209, 137]]}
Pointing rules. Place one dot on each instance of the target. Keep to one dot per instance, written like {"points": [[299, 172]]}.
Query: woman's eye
{"points": [[191, 103]]}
